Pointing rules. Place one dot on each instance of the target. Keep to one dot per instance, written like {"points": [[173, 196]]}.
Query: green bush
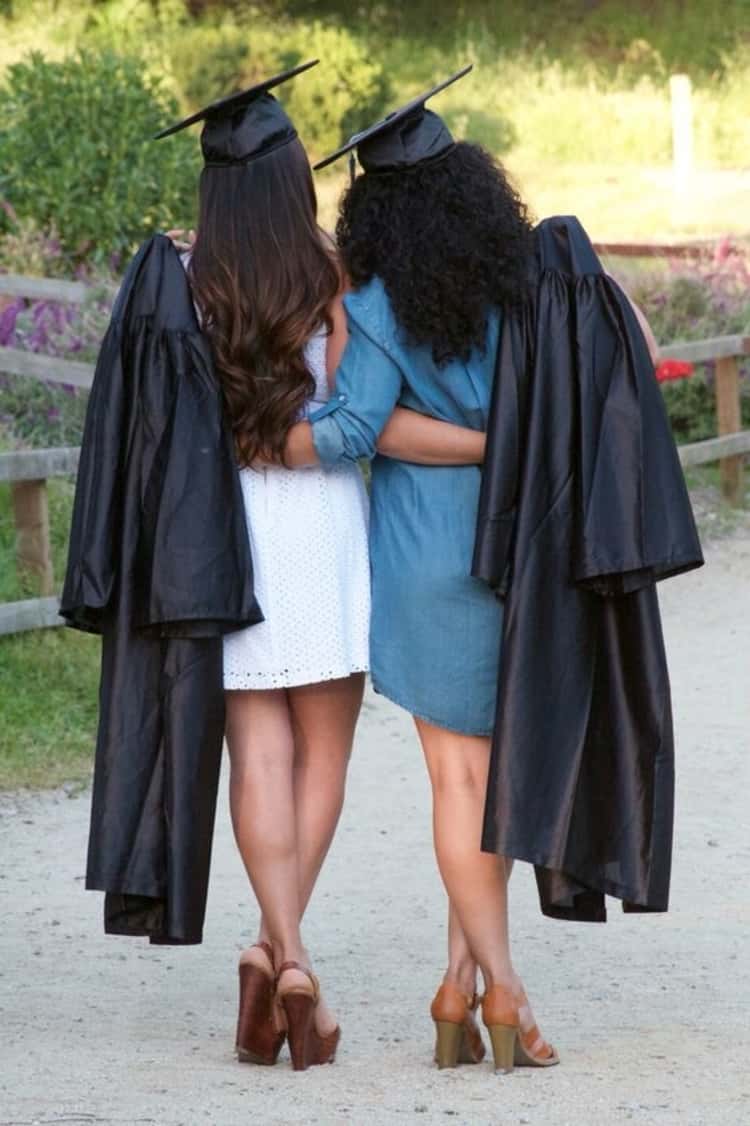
{"points": [[77, 154], [208, 62], [347, 91]]}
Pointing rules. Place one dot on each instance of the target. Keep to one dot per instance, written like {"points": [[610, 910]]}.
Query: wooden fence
{"points": [[691, 248], [29, 470]]}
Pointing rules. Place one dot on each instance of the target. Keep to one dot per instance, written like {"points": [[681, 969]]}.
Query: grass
{"points": [[615, 203], [48, 701], [48, 679]]}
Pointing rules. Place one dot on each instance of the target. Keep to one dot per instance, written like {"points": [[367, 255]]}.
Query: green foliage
{"points": [[210, 61], [691, 407], [695, 301], [335, 99], [48, 701], [568, 81], [39, 415], [327, 104], [25, 249], [636, 34], [48, 679], [77, 154]]}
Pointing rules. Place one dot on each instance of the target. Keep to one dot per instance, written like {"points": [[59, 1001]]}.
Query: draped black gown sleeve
{"points": [[583, 508], [159, 564]]}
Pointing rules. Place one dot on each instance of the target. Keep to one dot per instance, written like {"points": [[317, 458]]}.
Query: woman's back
{"points": [[435, 631], [458, 391]]}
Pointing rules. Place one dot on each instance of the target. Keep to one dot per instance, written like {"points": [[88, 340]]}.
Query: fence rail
{"points": [[27, 471], [14, 361], [692, 248], [42, 289]]}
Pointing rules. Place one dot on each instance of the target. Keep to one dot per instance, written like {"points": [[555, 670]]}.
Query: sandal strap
{"points": [[266, 948], [535, 1044], [304, 970]]}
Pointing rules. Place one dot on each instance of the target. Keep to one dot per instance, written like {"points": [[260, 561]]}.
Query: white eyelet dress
{"points": [[308, 537]]}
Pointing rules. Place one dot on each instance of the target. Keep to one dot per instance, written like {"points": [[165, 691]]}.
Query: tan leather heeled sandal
{"points": [[512, 1045], [457, 1035], [531, 1049], [258, 1038], [307, 1046]]}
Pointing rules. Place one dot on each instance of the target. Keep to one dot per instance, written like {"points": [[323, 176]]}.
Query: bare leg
{"points": [[476, 881], [462, 967], [323, 718], [261, 751]]}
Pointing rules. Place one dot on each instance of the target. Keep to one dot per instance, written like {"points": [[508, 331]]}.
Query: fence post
{"points": [[729, 420], [31, 515]]}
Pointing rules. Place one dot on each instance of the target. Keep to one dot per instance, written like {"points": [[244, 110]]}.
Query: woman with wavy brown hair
{"points": [[267, 283]]}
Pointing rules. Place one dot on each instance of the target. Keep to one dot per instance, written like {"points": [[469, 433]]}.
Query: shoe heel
{"points": [[503, 1039], [300, 1015], [448, 1043]]}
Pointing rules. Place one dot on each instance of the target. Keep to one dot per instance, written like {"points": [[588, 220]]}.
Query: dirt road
{"points": [[651, 1015]]}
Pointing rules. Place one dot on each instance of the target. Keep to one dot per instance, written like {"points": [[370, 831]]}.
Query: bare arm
{"points": [[299, 450], [648, 332], [410, 436]]}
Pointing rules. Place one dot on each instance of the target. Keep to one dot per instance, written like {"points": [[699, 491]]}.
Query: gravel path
{"points": [[650, 1014]]}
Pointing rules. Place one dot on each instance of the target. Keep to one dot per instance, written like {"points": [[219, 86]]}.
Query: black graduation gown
{"points": [[159, 564], [583, 507]]}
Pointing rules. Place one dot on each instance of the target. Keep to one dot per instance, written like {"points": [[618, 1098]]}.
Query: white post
{"points": [[682, 132]]}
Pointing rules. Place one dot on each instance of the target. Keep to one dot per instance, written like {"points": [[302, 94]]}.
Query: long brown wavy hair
{"points": [[263, 277]]}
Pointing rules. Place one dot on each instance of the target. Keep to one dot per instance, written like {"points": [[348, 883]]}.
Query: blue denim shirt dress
{"points": [[435, 631]]}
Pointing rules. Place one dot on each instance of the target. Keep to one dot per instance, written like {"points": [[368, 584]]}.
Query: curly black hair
{"points": [[450, 240]]}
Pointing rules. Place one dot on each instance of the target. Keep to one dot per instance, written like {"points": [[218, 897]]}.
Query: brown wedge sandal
{"points": [[457, 1036], [258, 1038], [512, 1045], [299, 1002]]}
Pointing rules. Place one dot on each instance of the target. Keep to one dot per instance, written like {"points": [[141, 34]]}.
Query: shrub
{"points": [[78, 155], [347, 91], [24, 249], [693, 301], [208, 62], [40, 414]]}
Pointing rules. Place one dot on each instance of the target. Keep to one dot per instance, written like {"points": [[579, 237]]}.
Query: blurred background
{"points": [[630, 113]]}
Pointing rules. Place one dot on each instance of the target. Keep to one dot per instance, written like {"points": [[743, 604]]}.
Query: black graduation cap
{"points": [[409, 136], [243, 126]]}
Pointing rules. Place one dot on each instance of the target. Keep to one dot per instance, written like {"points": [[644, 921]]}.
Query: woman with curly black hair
{"points": [[436, 242]]}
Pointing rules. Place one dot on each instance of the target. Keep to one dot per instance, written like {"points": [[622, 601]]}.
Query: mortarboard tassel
{"points": [[352, 167]]}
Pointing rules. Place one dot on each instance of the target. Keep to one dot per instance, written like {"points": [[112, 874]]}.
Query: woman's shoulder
{"points": [[369, 307]]}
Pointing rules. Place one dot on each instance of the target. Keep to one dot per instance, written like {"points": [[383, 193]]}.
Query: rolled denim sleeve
{"points": [[368, 387]]}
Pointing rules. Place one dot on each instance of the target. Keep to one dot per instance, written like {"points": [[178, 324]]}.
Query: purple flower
{"points": [[53, 414], [8, 323], [38, 339]]}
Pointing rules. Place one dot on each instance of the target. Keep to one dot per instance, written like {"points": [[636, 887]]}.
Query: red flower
{"points": [[673, 369]]}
